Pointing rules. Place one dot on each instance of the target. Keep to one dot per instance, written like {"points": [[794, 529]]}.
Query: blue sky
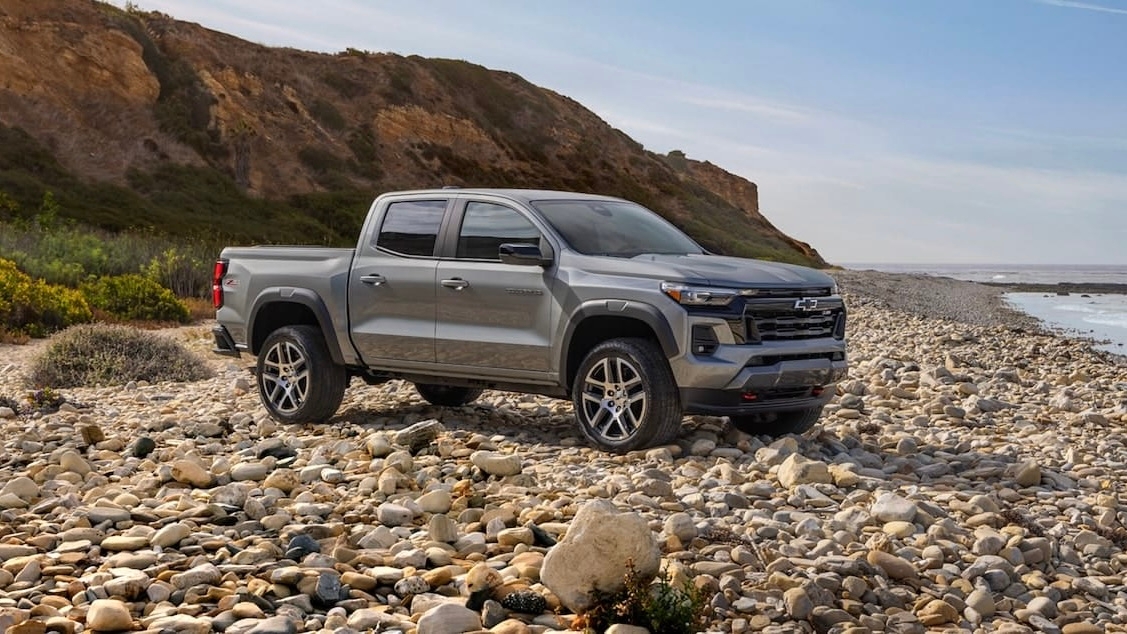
{"points": [[955, 131]]}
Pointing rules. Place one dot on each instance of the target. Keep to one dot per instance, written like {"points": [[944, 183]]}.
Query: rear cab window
{"points": [[410, 227]]}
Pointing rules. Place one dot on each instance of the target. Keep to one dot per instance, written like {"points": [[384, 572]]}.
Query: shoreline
{"points": [[967, 302], [1060, 288]]}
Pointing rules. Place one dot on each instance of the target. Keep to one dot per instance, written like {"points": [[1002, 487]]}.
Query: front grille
{"points": [[791, 314], [774, 326]]}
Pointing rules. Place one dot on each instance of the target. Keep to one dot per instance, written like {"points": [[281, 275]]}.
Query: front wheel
{"points": [[447, 395], [625, 397], [297, 379], [778, 423]]}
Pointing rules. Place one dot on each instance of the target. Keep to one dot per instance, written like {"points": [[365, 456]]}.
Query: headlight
{"points": [[699, 295], [834, 289]]}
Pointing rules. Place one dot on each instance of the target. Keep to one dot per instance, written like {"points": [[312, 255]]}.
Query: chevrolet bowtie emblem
{"points": [[806, 304]]}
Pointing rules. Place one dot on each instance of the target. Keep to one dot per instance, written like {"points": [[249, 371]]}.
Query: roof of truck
{"points": [[521, 195]]}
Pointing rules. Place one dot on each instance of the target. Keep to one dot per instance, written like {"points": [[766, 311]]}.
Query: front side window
{"points": [[614, 228], [411, 227], [486, 226]]}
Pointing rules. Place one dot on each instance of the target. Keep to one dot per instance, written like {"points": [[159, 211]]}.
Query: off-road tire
{"points": [[447, 395], [625, 396], [779, 423], [297, 378]]}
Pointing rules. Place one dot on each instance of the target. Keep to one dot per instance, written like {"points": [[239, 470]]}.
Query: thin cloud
{"points": [[755, 107], [1086, 6]]}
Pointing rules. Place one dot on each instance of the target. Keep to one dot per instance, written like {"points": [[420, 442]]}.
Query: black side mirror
{"points": [[523, 254]]}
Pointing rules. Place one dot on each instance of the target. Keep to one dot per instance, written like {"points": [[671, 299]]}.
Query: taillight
{"points": [[217, 283]]}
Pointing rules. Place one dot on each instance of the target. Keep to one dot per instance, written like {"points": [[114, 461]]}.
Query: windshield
{"points": [[615, 228]]}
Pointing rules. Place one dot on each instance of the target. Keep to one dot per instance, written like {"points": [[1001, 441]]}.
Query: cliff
{"points": [[136, 119]]}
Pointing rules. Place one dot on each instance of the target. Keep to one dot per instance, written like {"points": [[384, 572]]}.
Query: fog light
{"points": [[817, 391]]}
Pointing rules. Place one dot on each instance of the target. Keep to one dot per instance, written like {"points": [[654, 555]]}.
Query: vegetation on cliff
{"points": [[198, 135]]}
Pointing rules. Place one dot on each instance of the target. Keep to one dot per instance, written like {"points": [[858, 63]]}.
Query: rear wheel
{"points": [[778, 423], [625, 397], [297, 379], [447, 395]]}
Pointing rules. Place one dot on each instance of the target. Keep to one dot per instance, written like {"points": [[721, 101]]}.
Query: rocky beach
{"points": [[969, 475]]}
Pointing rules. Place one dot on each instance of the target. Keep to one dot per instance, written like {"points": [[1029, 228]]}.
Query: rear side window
{"points": [[485, 227], [411, 227]]}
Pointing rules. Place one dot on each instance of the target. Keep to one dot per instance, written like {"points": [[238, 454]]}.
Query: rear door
{"points": [[391, 291], [489, 314]]}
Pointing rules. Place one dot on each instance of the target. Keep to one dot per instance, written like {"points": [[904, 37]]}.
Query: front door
{"points": [[391, 291], [489, 314]]}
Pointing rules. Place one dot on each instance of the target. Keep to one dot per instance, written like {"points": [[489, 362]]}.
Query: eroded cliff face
{"points": [[744, 195], [112, 93]]}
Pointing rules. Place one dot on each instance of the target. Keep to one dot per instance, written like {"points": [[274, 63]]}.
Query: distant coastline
{"points": [[1062, 288], [1085, 301]]}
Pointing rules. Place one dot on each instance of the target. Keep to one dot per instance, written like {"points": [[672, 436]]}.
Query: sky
{"points": [[921, 131]]}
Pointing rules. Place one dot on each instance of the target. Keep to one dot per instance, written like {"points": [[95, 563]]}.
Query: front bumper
{"points": [[711, 402], [772, 377]]}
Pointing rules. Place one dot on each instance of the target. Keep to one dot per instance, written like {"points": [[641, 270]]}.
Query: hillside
{"points": [[137, 120]]}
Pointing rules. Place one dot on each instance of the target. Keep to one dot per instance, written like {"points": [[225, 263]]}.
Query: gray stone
{"points": [[419, 435], [394, 514]]}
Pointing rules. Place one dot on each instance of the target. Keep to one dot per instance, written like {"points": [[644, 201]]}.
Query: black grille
{"points": [[775, 326], [790, 319]]}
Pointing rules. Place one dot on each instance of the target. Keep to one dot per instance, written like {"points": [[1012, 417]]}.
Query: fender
{"points": [[306, 298], [644, 313]]}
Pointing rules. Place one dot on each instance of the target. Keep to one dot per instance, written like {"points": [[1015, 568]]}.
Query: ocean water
{"points": [[1101, 317]]}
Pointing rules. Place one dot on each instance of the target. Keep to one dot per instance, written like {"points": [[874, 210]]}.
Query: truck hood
{"points": [[712, 270]]}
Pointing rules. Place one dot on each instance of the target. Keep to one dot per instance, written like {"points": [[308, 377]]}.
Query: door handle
{"points": [[373, 280], [457, 283]]}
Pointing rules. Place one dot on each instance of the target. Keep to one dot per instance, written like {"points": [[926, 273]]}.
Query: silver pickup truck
{"points": [[568, 295]]}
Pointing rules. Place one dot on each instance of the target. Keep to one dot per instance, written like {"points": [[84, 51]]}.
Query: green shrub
{"points": [[100, 354], [34, 307], [134, 297], [184, 273], [653, 604]]}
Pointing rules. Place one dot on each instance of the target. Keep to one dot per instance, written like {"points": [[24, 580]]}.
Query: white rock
{"points": [[249, 471], [199, 575], [682, 526], [797, 469], [22, 487], [449, 618], [170, 535], [437, 501], [394, 514], [890, 507], [497, 464], [593, 555]]}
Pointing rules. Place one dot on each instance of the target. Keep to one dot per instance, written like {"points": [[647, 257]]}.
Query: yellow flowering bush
{"points": [[36, 308]]}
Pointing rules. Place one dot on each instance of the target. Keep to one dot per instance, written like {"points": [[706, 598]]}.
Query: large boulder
{"points": [[593, 556]]}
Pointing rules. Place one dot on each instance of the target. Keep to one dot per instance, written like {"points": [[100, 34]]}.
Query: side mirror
{"points": [[523, 254]]}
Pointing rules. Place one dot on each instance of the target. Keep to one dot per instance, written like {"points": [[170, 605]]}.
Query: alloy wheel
{"points": [[285, 373], [614, 399]]}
